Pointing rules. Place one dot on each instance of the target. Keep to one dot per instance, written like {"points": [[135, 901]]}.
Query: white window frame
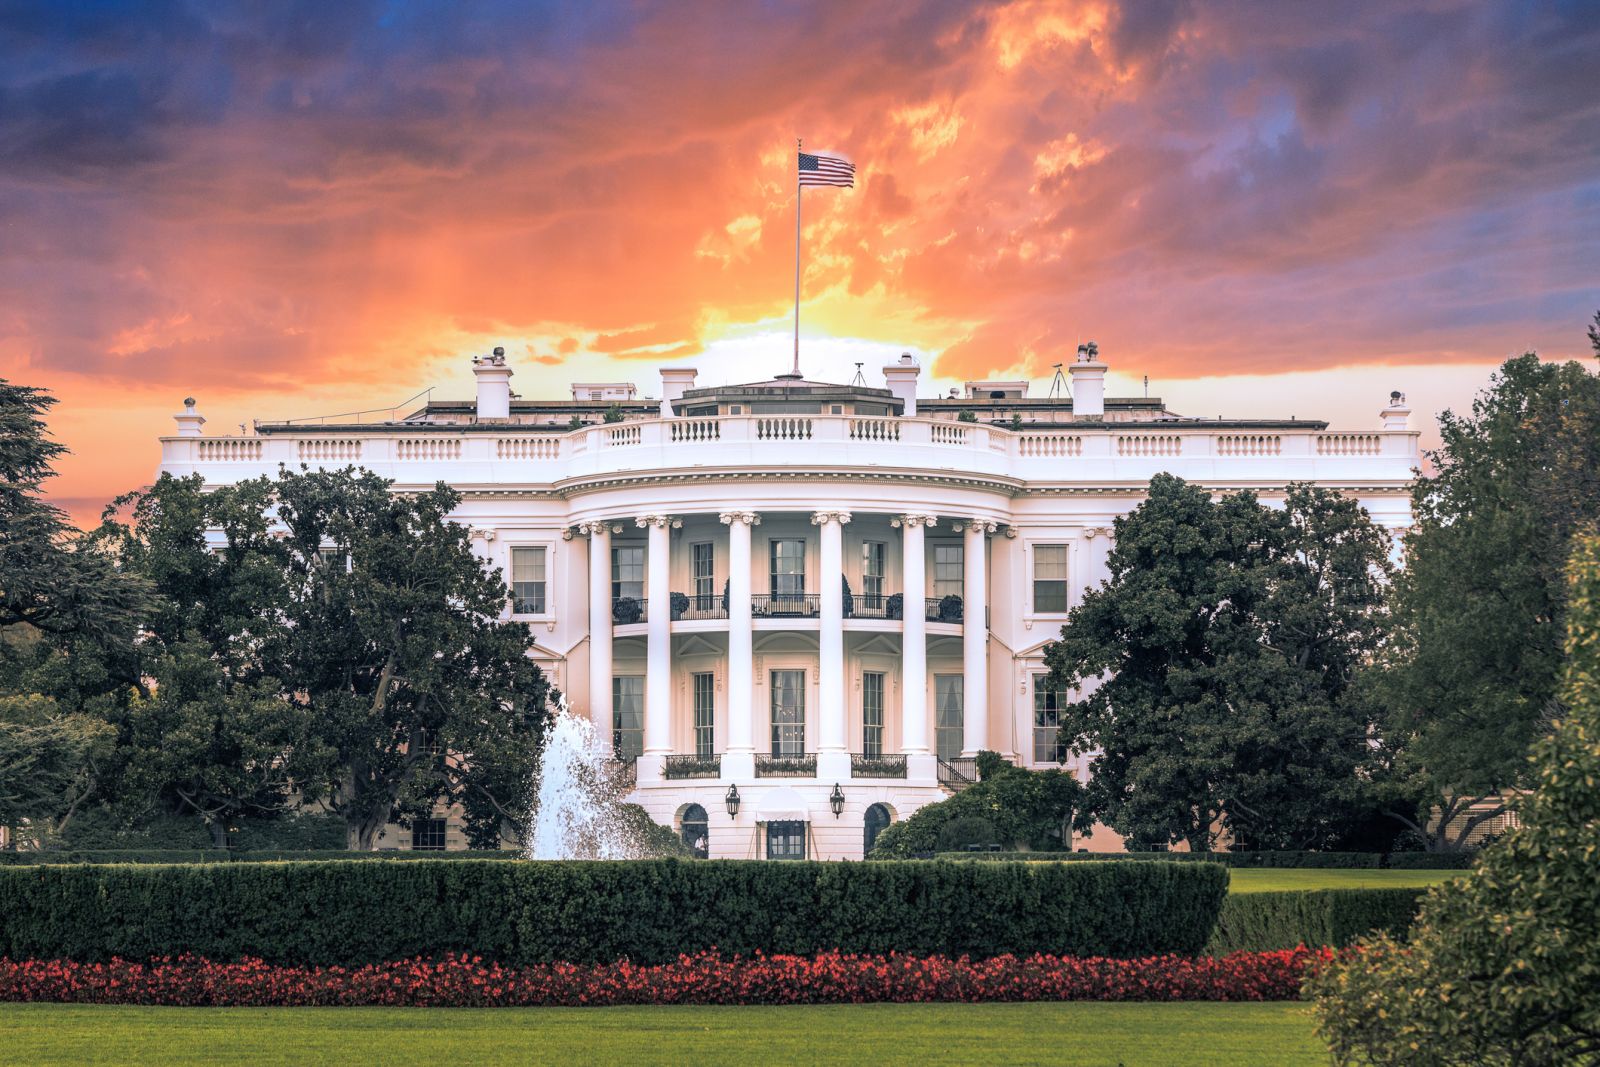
{"points": [[1036, 688], [1032, 579], [549, 579]]}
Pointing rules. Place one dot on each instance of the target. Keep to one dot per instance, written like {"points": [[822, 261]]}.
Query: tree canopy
{"points": [[1216, 667]]}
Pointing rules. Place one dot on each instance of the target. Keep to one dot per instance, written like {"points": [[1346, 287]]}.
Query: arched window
{"points": [[878, 817], [696, 830]]}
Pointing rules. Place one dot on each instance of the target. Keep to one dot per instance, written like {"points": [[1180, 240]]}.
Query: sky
{"points": [[304, 208]]}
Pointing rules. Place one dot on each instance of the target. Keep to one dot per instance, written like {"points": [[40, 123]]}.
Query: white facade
{"points": [[680, 569]]}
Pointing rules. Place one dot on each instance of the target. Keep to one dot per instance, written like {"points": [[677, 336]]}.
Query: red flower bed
{"points": [[831, 978]]}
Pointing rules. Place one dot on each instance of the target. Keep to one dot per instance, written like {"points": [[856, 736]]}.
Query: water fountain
{"points": [[577, 814]]}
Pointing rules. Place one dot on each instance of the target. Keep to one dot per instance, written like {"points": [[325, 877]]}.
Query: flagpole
{"points": [[797, 194]]}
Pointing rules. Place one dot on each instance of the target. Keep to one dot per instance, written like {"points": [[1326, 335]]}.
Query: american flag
{"points": [[826, 170]]}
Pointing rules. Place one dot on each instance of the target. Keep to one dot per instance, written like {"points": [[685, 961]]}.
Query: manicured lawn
{"points": [[1263, 879], [921, 1034]]}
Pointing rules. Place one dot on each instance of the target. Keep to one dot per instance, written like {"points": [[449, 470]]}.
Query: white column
{"points": [[975, 638], [920, 765], [833, 760], [599, 630], [658, 650], [738, 757]]}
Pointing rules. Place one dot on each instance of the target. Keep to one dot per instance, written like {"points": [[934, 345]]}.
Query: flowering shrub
{"points": [[706, 978]]}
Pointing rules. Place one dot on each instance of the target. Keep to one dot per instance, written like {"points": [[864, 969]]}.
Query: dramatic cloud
{"points": [[294, 204]]}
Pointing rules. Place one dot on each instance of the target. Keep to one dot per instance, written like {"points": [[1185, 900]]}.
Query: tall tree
{"points": [[1481, 603], [396, 650], [1220, 660]]}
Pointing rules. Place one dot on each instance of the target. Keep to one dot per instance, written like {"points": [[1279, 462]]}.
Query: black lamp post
{"points": [[732, 800], [836, 800]]}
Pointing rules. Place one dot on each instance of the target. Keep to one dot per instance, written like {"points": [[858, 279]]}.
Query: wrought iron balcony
{"points": [[696, 608], [863, 606], [693, 766], [786, 766], [786, 606], [623, 774], [878, 765], [945, 609]]}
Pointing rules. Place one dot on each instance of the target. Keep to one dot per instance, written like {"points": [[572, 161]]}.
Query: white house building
{"points": [[824, 599]]}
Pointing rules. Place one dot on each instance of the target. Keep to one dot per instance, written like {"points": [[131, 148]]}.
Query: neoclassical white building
{"points": [[821, 599]]}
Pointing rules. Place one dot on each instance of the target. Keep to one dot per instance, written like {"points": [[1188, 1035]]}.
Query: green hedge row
{"points": [[1260, 922], [1441, 861], [649, 910], [217, 855]]}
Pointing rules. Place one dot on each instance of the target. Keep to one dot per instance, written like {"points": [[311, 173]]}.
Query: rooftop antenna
{"points": [[1058, 385], [1147, 387], [860, 379]]}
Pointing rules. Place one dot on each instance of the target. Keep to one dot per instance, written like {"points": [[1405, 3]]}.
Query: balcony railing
{"points": [[623, 774], [695, 608], [625, 610], [945, 609], [786, 606], [958, 772], [862, 606], [883, 765], [786, 766], [693, 766]]}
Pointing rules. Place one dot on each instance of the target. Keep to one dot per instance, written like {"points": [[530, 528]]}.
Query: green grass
{"points": [[1266, 879], [921, 1034]]}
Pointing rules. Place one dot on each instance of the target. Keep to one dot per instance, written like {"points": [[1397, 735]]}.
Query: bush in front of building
{"points": [[650, 911], [968, 830], [57, 857], [461, 981], [1325, 860], [1331, 918], [1023, 808]]}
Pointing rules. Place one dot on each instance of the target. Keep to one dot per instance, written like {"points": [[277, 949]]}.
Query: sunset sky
{"points": [[292, 209]]}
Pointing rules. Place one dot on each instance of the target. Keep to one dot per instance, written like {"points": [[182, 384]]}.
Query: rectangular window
{"points": [[705, 714], [788, 713], [786, 840], [527, 581], [872, 573], [627, 573], [788, 570], [949, 562], [1050, 579], [627, 716], [1047, 703], [427, 835], [705, 575], [872, 714], [950, 714]]}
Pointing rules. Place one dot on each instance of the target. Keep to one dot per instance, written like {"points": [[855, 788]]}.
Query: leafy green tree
{"points": [[1503, 967], [1220, 663], [395, 651], [1481, 603], [1017, 808], [47, 761], [51, 577]]}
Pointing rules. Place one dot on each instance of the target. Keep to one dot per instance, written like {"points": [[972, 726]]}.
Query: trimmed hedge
{"points": [[650, 911], [217, 855], [1258, 922], [1412, 861]]}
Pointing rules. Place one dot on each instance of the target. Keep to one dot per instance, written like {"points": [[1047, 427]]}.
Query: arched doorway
{"points": [[877, 819], [696, 831]]}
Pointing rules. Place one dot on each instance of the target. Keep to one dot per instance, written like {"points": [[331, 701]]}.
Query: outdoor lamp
{"points": [[732, 800], [836, 800]]}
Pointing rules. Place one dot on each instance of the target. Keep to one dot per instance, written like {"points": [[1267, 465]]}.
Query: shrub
{"points": [[1336, 860], [680, 604], [1021, 807], [613, 413], [218, 855], [968, 830], [651, 911], [950, 608], [1503, 966], [894, 607], [625, 610], [1333, 918], [1430, 861], [704, 978], [966, 415]]}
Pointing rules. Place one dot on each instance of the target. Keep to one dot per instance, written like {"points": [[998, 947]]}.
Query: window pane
{"points": [[949, 714], [788, 713], [872, 572], [1050, 578], [627, 715], [527, 581], [872, 713], [948, 563], [427, 835], [788, 568], [696, 830], [786, 840], [627, 572], [705, 711], [1047, 744], [704, 575]]}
